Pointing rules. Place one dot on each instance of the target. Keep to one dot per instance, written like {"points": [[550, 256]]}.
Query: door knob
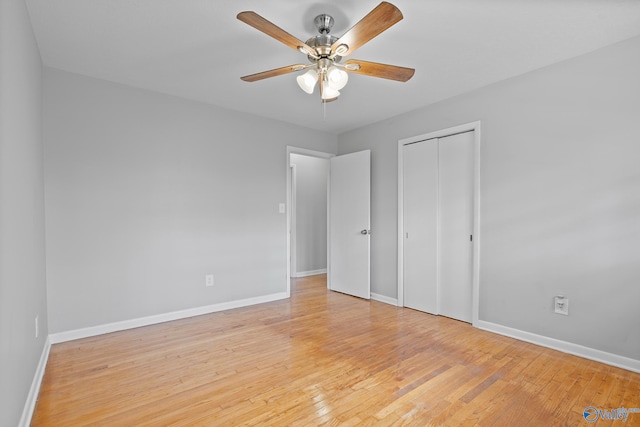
{"points": [[365, 232]]}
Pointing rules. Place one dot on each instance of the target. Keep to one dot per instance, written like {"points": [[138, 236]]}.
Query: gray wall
{"points": [[560, 196], [311, 212], [147, 193], [22, 262]]}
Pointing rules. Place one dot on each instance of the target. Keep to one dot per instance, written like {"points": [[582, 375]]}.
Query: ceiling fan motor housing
{"points": [[322, 44]]}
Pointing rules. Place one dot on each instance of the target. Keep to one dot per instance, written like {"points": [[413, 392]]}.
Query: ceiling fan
{"points": [[325, 51]]}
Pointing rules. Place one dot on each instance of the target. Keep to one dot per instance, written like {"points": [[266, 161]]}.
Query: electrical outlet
{"points": [[561, 305], [208, 280], [37, 327]]}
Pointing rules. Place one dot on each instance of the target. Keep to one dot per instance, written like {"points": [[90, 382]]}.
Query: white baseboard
{"points": [[161, 318], [32, 397], [384, 299], [310, 273], [563, 346]]}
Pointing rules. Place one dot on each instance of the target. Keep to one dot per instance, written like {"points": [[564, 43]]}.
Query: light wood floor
{"points": [[323, 358]]}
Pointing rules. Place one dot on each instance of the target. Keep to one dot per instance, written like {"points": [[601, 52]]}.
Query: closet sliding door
{"points": [[420, 183], [455, 209], [438, 223]]}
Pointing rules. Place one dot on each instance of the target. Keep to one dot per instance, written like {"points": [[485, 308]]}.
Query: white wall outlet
{"points": [[561, 305], [37, 327], [281, 208], [208, 280]]}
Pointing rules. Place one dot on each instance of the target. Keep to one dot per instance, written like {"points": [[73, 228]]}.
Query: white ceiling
{"points": [[197, 49]]}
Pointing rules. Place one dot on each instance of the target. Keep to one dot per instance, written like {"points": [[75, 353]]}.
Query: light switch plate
{"points": [[561, 305]]}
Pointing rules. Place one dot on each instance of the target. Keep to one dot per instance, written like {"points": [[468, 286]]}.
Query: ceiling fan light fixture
{"points": [[325, 51], [307, 81], [337, 78]]}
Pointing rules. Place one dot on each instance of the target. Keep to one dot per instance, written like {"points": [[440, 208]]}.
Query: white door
{"points": [[456, 225], [438, 223], [420, 207], [349, 223]]}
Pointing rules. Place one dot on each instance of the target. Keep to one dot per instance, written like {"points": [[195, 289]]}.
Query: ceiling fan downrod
{"points": [[324, 23]]}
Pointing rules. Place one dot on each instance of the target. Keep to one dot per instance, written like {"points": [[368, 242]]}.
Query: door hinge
{"points": [[471, 237]]}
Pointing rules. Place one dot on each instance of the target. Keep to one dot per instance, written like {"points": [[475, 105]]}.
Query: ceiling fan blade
{"points": [[375, 69], [270, 29], [273, 73], [378, 20]]}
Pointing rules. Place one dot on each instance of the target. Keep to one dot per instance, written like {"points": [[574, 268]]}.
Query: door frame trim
{"points": [[311, 153], [292, 221], [467, 127]]}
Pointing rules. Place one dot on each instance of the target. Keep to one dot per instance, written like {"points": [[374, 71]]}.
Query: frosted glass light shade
{"points": [[329, 93], [307, 81], [337, 78]]}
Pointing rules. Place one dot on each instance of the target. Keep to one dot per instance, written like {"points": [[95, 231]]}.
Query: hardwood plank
{"points": [[322, 358]]}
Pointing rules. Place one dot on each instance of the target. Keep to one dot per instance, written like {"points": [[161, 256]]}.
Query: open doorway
{"points": [[348, 219], [309, 261], [308, 244]]}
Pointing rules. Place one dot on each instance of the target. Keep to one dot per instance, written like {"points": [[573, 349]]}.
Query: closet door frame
{"points": [[468, 127]]}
